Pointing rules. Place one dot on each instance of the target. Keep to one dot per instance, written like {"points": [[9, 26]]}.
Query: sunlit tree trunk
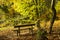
{"points": [[54, 15], [38, 14]]}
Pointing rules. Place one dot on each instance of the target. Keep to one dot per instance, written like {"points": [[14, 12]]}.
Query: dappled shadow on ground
{"points": [[18, 38], [10, 35], [55, 35]]}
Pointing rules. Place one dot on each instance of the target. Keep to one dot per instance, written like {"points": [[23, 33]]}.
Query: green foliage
{"points": [[58, 6], [15, 12], [4, 8], [24, 11]]}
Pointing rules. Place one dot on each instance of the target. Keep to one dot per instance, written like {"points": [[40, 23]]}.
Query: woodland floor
{"points": [[6, 33]]}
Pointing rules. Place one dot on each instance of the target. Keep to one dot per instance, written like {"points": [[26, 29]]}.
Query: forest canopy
{"points": [[24, 11]]}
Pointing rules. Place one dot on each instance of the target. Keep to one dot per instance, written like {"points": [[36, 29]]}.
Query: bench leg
{"points": [[18, 31], [32, 34], [32, 30]]}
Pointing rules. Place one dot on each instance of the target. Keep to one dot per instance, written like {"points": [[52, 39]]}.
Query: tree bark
{"points": [[38, 14], [54, 16]]}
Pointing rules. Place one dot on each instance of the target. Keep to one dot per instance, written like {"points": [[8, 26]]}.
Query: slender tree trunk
{"points": [[54, 16], [38, 14], [38, 19], [36, 2]]}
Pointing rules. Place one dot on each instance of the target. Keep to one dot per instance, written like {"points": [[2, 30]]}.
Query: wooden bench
{"points": [[24, 25]]}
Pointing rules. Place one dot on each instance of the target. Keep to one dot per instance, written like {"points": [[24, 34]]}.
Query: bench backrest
{"points": [[23, 25]]}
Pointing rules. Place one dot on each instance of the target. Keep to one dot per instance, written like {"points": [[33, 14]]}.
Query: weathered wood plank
{"points": [[23, 25]]}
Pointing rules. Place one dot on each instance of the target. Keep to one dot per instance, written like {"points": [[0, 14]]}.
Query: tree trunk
{"points": [[54, 16], [36, 2]]}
